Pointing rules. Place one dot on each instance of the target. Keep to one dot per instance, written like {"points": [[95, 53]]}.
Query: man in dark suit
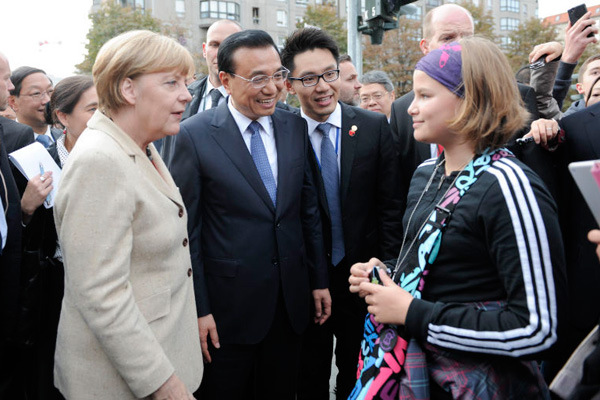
{"points": [[583, 267], [207, 92], [15, 135], [441, 25], [29, 98], [10, 252], [255, 233], [353, 163]]}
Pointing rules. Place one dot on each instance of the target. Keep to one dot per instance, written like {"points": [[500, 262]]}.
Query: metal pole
{"points": [[354, 36]]}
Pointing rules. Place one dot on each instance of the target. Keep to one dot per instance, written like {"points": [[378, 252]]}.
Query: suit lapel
{"points": [[156, 173], [227, 135], [283, 143], [159, 175], [348, 144], [197, 94], [592, 130], [316, 170]]}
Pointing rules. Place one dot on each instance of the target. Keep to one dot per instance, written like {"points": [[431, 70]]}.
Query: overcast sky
{"points": [[50, 34]]}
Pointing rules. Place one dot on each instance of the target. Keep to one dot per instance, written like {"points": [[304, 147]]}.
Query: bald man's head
{"points": [[444, 24], [216, 33], [5, 84]]}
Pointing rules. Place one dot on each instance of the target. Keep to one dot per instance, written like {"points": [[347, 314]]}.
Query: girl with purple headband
{"points": [[478, 287]]}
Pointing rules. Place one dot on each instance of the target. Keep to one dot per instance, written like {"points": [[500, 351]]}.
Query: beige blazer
{"points": [[128, 317]]}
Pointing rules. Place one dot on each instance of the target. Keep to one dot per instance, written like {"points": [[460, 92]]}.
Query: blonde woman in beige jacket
{"points": [[128, 323]]}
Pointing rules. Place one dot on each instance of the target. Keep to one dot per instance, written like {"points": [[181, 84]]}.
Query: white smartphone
{"points": [[582, 173]]}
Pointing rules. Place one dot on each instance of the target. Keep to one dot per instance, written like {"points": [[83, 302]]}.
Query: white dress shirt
{"points": [[266, 134], [206, 101], [335, 133]]}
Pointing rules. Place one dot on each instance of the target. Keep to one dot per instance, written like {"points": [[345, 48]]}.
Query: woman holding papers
{"points": [[128, 326], [72, 104]]}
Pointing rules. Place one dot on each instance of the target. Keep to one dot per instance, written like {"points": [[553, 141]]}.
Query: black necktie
{"points": [[215, 96]]}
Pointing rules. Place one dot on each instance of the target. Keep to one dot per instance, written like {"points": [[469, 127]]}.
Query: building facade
{"points": [[191, 18], [560, 21]]}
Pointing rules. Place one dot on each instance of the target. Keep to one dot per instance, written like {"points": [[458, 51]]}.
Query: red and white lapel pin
{"points": [[353, 130]]}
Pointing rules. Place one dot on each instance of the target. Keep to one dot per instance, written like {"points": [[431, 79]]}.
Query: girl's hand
{"points": [[387, 302]]}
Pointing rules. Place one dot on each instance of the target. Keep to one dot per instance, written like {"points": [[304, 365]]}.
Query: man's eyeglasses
{"points": [[260, 81], [312, 80], [38, 95], [365, 98]]}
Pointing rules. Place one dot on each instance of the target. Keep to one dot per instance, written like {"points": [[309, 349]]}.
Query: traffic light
{"points": [[382, 15]]}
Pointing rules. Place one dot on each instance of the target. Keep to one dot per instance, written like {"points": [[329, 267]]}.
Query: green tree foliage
{"points": [[109, 21], [397, 55], [525, 38], [324, 16], [484, 20]]}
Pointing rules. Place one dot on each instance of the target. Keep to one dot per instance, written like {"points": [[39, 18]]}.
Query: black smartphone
{"points": [[375, 276], [576, 13]]}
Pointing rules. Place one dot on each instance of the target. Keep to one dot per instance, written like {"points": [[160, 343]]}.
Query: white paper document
{"points": [[35, 160]]}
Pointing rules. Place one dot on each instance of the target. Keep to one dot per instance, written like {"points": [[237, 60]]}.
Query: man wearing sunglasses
{"points": [[353, 163], [254, 228]]}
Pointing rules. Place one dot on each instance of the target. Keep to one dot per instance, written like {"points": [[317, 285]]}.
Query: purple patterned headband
{"points": [[445, 66]]}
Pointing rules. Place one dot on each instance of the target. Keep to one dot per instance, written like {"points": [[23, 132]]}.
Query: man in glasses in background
{"points": [[254, 227], [353, 163], [377, 93], [29, 98]]}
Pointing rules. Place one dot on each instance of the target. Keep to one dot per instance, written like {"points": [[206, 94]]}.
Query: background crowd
{"points": [[210, 241]]}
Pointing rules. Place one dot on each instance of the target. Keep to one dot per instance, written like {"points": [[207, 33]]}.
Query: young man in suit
{"points": [[353, 163], [207, 92], [254, 228]]}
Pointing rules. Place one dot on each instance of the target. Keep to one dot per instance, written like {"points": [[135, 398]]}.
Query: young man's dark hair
{"points": [[306, 39], [251, 39], [19, 74]]}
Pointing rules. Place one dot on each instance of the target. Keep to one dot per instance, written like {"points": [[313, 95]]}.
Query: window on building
{"points": [[509, 24], [281, 18], [417, 15], [180, 7], [135, 4], [281, 42], [255, 16], [557, 18], [433, 3], [489, 4], [509, 5], [525, 9], [220, 10], [505, 41], [302, 2]]}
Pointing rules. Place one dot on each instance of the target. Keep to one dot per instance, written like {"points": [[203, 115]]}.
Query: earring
{"points": [[65, 131]]}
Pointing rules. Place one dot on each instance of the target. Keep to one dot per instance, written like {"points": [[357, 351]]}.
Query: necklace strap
{"points": [[429, 237]]}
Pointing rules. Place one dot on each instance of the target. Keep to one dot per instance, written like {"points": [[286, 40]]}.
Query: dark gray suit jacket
{"points": [[371, 215], [246, 252], [10, 259], [583, 268]]}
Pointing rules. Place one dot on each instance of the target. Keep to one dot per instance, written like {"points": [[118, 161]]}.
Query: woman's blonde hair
{"points": [[492, 110], [132, 54]]}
